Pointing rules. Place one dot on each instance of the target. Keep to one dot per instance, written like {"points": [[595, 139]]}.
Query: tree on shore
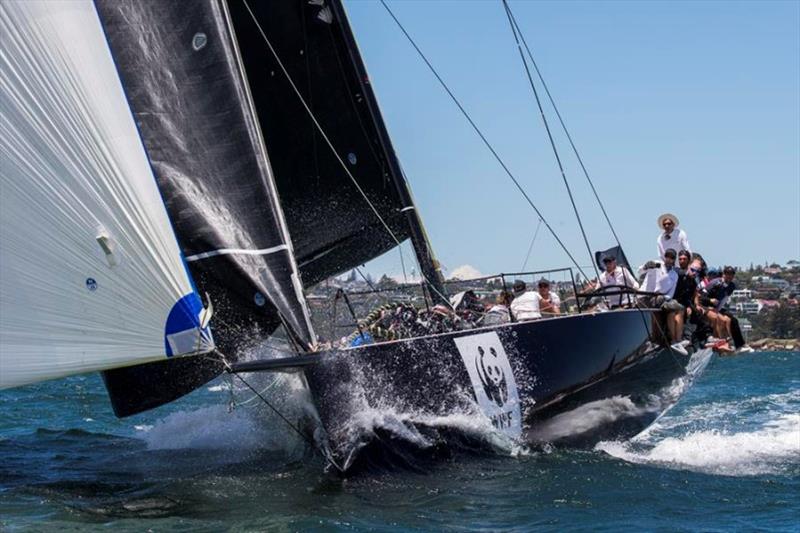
{"points": [[781, 322]]}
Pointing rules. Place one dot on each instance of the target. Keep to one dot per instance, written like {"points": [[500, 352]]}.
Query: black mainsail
{"points": [[187, 92], [242, 166], [333, 227]]}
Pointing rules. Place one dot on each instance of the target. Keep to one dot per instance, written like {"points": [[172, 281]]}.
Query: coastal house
{"points": [[777, 282], [740, 295], [769, 304], [748, 307]]}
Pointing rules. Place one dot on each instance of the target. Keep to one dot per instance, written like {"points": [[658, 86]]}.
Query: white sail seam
{"points": [[231, 251]]}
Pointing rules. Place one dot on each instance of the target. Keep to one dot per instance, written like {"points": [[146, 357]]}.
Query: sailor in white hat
{"points": [[671, 236]]}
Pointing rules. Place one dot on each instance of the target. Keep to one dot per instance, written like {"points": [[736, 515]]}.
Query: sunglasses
{"points": [[695, 270], [668, 224]]}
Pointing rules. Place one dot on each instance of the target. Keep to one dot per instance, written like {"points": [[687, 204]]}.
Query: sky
{"points": [[684, 107]]}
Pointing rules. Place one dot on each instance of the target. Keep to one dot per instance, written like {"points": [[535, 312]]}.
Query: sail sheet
{"points": [[91, 276], [333, 228]]}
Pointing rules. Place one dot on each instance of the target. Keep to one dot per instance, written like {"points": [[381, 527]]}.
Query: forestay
{"points": [[92, 277]]}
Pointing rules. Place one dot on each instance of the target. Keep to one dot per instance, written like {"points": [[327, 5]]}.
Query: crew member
{"points": [[617, 276], [671, 236], [549, 302], [526, 303]]}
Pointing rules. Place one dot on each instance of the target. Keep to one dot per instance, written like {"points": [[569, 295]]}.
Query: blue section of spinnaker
{"points": [[182, 332]]}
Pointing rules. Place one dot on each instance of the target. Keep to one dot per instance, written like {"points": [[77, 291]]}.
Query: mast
{"points": [[431, 270]]}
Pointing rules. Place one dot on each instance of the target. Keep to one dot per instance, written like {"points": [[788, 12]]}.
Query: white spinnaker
{"points": [[75, 184]]}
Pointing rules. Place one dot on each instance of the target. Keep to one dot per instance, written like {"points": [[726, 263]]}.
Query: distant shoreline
{"points": [[769, 344]]}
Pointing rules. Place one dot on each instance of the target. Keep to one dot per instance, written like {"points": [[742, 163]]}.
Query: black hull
{"points": [[559, 368]]}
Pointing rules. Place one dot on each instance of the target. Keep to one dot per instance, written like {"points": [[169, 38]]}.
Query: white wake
{"points": [[770, 449]]}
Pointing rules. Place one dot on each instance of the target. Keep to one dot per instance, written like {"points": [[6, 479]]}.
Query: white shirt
{"points": [[526, 306], [620, 276], [659, 280], [555, 301], [677, 241]]}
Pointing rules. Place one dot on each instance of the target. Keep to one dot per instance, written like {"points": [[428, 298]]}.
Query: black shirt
{"points": [[685, 289]]}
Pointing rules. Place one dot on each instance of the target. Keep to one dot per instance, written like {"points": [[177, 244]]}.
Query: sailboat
{"points": [[173, 168]]}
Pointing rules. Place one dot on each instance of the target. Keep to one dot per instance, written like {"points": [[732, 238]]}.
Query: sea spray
{"points": [[771, 449], [243, 423], [741, 436]]}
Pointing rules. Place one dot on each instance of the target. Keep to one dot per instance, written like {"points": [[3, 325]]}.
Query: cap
{"points": [[543, 283], [609, 258], [670, 252], [728, 270], [519, 286]]}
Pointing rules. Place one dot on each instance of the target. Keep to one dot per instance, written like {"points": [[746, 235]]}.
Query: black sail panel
{"points": [[179, 66], [333, 228]]}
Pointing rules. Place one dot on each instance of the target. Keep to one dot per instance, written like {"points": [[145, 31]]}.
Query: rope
{"points": [[550, 137], [254, 397], [482, 137], [330, 145], [563, 125], [324, 451]]}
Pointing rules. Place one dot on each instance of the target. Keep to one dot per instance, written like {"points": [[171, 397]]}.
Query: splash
{"points": [[587, 418], [743, 437], [771, 449], [245, 425], [374, 426]]}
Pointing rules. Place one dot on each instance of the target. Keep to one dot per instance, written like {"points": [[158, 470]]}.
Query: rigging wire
{"points": [[563, 125], [324, 451], [550, 137], [330, 144], [530, 248], [482, 136], [366, 280]]}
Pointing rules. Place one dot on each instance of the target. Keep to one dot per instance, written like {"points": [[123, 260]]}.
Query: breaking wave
{"points": [[243, 423], [386, 438], [752, 436], [586, 418], [769, 450]]}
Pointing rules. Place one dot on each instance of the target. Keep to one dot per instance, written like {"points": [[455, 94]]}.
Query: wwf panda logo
{"points": [[492, 376]]}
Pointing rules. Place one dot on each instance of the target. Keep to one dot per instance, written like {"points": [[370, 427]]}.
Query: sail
{"points": [[181, 71], [333, 227], [91, 276]]}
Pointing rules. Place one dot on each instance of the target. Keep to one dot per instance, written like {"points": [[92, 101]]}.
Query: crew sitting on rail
{"points": [[712, 297], [526, 303], [685, 290], [728, 273], [658, 277], [616, 276], [662, 279], [549, 302]]}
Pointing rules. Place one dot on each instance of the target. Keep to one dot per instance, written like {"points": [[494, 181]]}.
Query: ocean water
{"points": [[727, 456]]}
